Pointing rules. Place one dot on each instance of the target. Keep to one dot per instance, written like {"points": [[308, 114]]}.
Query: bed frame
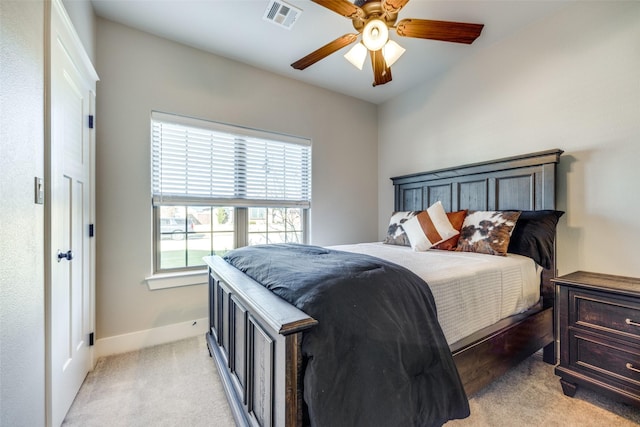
{"points": [[255, 337]]}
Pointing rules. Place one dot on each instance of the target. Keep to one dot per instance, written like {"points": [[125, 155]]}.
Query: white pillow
{"points": [[429, 228]]}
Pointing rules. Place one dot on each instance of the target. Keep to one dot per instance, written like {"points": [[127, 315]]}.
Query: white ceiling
{"points": [[235, 29]]}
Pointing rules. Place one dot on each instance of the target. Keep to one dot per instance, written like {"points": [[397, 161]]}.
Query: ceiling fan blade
{"points": [[324, 51], [457, 32], [343, 7], [381, 73], [393, 6]]}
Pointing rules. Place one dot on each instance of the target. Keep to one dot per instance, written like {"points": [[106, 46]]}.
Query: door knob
{"points": [[65, 255]]}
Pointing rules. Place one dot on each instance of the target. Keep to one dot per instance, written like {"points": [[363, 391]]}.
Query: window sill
{"points": [[176, 280]]}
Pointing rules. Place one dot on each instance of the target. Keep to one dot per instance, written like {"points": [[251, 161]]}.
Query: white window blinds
{"points": [[201, 162]]}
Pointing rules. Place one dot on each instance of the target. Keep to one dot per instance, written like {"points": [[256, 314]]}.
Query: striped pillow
{"points": [[456, 219], [428, 228]]}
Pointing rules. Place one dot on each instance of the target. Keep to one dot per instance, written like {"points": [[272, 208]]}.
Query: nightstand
{"points": [[599, 323]]}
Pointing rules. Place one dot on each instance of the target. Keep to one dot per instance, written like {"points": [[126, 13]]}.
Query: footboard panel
{"points": [[255, 339]]}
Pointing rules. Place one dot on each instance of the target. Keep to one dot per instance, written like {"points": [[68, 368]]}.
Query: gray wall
{"points": [[22, 351], [571, 81], [139, 73]]}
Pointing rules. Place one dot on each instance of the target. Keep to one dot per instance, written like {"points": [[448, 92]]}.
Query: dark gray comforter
{"points": [[377, 356]]}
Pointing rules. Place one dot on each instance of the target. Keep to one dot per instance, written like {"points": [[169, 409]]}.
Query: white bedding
{"points": [[471, 290]]}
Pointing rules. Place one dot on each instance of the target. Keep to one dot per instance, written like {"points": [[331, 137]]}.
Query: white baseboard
{"points": [[149, 337]]}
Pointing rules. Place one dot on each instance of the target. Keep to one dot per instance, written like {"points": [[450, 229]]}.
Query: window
{"points": [[188, 233], [275, 225], [216, 187]]}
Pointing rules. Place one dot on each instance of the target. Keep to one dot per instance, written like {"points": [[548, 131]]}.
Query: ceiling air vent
{"points": [[281, 13]]}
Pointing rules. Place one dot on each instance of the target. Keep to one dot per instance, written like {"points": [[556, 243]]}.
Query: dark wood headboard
{"points": [[526, 182]]}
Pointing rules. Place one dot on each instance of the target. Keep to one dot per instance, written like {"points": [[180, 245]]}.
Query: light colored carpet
{"points": [[530, 395], [169, 385], [177, 384]]}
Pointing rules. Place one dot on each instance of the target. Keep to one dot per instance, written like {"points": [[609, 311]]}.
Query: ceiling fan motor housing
{"points": [[374, 10]]}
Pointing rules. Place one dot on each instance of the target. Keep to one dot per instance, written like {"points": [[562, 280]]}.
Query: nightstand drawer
{"points": [[597, 311], [615, 361]]}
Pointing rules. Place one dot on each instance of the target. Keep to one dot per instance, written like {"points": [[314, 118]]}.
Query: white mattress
{"points": [[471, 290]]}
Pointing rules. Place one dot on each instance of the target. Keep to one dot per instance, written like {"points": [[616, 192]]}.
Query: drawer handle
{"points": [[631, 322], [631, 368]]}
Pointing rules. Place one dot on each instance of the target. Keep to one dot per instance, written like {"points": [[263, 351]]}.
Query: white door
{"points": [[70, 291]]}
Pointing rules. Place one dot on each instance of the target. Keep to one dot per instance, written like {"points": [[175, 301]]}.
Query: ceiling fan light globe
{"points": [[391, 52], [375, 34], [356, 55]]}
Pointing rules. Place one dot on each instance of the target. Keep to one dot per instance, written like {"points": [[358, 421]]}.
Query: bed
{"points": [[255, 337]]}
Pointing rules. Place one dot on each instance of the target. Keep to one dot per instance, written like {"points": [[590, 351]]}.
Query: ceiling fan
{"points": [[373, 19]]}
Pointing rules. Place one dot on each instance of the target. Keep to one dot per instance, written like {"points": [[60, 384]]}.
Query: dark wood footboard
{"points": [[254, 337]]}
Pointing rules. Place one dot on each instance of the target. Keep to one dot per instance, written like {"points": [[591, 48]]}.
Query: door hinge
{"points": [[90, 121], [90, 339], [91, 230]]}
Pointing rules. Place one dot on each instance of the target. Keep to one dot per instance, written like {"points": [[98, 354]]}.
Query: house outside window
{"points": [[216, 187]]}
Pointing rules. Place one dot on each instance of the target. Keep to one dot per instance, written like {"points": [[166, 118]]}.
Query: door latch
{"points": [[65, 255]]}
